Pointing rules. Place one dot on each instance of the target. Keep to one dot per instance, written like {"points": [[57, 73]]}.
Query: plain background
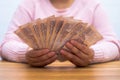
{"points": [[8, 7]]}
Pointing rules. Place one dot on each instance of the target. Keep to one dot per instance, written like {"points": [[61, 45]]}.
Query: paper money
{"points": [[58, 25], [91, 36], [53, 33], [26, 35], [51, 24]]}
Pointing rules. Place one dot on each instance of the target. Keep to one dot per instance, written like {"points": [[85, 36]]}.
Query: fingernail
{"points": [[47, 50], [52, 53], [62, 51], [68, 43], [72, 41]]}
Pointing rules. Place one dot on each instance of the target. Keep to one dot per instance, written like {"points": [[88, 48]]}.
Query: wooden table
{"points": [[60, 71]]}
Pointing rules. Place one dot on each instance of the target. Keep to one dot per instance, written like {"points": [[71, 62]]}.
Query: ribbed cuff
{"points": [[14, 51], [98, 56], [104, 52]]}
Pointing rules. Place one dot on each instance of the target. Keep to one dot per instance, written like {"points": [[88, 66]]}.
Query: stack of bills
{"points": [[53, 32]]}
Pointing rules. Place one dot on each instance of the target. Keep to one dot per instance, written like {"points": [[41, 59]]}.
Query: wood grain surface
{"points": [[60, 71]]}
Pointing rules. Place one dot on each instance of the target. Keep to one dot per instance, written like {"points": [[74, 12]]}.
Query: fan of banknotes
{"points": [[53, 32]]}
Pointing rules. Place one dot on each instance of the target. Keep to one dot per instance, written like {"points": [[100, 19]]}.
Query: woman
{"points": [[89, 11]]}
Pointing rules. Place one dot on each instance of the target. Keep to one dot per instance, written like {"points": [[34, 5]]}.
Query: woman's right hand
{"points": [[40, 58]]}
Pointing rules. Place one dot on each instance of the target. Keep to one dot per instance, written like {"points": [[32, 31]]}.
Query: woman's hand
{"points": [[78, 54], [40, 58]]}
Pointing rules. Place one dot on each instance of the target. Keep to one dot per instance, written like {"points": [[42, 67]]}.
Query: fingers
{"points": [[80, 46], [77, 52], [44, 63], [74, 59], [41, 58], [86, 50], [36, 53]]}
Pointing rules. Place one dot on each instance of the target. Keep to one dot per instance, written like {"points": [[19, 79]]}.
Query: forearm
{"points": [[14, 51], [105, 51]]}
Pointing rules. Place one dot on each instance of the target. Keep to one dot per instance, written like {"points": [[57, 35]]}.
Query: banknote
{"points": [[54, 32]]}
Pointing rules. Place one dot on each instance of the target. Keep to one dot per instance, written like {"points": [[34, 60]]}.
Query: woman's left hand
{"points": [[78, 54]]}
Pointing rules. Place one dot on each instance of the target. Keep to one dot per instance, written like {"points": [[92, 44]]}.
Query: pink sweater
{"points": [[90, 11]]}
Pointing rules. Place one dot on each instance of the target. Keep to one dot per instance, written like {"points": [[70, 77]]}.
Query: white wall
{"points": [[112, 8], [7, 8]]}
